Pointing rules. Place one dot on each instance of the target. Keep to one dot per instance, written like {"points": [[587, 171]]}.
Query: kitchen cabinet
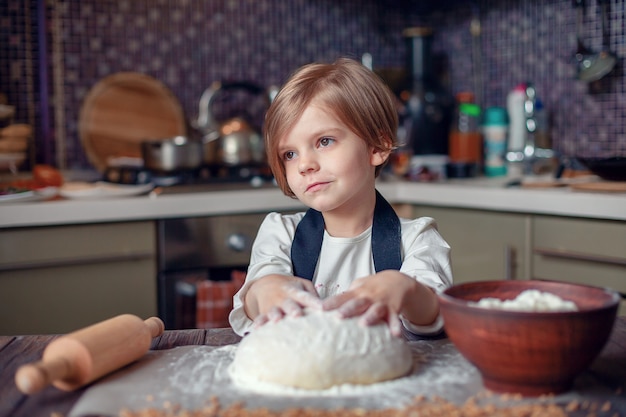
{"points": [[59, 278], [486, 245], [489, 245], [580, 250]]}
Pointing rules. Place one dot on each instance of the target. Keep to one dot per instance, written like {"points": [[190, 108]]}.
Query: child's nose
{"points": [[308, 162]]}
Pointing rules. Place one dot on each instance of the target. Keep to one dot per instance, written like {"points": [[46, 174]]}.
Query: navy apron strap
{"points": [[386, 240], [307, 244], [386, 236]]}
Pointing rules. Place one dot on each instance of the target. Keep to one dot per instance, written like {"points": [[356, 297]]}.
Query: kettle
{"points": [[234, 141]]}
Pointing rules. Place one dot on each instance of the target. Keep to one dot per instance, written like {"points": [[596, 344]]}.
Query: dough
{"points": [[529, 300], [319, 351]]}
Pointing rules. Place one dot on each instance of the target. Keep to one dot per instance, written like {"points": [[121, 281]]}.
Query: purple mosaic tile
{"points": [[188, 44]]}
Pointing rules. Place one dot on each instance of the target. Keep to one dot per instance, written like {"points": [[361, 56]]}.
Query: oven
{"points": [[201, 263]]}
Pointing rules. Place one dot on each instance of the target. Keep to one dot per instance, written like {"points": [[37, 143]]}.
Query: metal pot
{"points": [[234, 141], [172, 154]]}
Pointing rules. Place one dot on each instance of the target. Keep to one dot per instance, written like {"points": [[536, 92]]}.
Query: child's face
{"points": [[327, 166]]}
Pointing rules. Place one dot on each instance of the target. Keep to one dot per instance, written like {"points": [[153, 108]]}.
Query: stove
{"points": [[203, 179], [211, 187]]}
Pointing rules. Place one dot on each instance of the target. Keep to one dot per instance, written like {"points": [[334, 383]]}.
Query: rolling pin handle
{"points": [[34, 377], [156, 326]]}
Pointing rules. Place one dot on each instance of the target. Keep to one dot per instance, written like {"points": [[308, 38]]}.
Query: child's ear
{"points": [[378, 155]]}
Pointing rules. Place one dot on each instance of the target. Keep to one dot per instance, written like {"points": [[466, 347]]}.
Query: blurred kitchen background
{"points": [[52, 52]]}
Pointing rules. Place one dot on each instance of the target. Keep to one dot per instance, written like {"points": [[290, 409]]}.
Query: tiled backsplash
{"points": [[188, 44]]}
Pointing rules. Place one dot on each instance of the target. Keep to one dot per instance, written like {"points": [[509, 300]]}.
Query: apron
{"points": [[386, 240]]}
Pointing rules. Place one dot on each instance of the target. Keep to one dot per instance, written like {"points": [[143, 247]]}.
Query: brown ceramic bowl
{"points": [[530, 353]]}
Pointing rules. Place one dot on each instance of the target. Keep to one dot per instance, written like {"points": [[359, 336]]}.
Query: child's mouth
{"points": [[316, 187]]}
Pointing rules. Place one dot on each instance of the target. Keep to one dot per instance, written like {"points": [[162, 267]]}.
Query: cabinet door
{"points": [[485, 245], [583, 251], [58, 279]]}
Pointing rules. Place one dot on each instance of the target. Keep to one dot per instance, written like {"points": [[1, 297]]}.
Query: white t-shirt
{"points": [[426, 257]]}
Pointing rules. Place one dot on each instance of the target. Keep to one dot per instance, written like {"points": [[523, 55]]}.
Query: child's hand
{"points": [[275, 296], [377, 298]]}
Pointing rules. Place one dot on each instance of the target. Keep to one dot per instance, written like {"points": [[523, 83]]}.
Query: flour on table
{"points": [[529, 300], [188, 376], [320, 351]]}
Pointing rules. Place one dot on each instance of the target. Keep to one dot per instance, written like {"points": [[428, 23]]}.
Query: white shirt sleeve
{"points": [[271, 254], [426, 257]]}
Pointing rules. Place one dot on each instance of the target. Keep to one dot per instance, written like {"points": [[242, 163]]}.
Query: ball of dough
{"points": [[319, 351]]}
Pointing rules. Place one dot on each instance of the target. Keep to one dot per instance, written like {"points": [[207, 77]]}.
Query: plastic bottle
{"points": [[465, 147], [517, 128], [495, 129]]}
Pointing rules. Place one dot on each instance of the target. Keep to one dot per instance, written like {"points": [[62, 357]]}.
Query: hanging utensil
{"points": [[584, 57], [593, 66], [607, 59]]}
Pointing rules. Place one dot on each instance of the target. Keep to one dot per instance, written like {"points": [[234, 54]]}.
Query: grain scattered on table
{"points": [[421, 407]]}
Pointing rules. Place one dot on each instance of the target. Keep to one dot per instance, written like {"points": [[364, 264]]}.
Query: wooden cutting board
{"points": [[602, 186], [124, 109]]}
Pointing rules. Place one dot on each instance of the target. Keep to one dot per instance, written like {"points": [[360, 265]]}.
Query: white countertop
{"points": [[484, 194]]}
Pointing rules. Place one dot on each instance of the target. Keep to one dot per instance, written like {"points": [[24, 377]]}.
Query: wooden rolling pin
{"points": [[78, 358]]}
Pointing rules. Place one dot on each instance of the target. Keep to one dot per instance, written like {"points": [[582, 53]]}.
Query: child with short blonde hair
{"points": [[328, 133]]}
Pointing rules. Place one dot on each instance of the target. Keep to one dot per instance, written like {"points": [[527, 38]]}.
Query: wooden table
{"points": [[609, 369]]}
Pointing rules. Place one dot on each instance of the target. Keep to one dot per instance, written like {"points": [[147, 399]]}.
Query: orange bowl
{"points": [[530, 353]]}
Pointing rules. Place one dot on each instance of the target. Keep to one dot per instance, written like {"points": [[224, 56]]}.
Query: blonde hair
{"points": [[357, 96]]}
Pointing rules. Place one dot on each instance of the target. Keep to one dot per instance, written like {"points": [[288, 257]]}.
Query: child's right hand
{"points": [[275, 296]]}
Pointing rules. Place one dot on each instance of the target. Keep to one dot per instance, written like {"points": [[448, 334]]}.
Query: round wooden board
{"points": [[606, 187], [124, 109]]}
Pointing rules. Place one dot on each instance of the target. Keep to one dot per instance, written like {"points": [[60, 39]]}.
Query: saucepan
{"points": [[172, 154]]}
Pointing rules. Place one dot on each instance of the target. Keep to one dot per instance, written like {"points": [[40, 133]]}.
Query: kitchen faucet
{"points": [[534, 152], [531, 128]]}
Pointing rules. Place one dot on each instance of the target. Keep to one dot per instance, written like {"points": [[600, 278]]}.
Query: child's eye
{"points": [[289, 155], [325, 141]]}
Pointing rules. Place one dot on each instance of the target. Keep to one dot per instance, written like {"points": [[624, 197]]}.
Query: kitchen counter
{"points": [[604, 381], [482, 193]]}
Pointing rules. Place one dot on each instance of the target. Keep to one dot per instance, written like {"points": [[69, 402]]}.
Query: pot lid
{"points": [[124, 109]]}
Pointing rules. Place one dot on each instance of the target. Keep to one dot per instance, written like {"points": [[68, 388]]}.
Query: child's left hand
{"points": [[376, 298]]}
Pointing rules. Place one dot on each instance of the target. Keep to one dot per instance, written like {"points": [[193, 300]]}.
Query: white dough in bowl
{"points": [[529, 300], [320, 351]]}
